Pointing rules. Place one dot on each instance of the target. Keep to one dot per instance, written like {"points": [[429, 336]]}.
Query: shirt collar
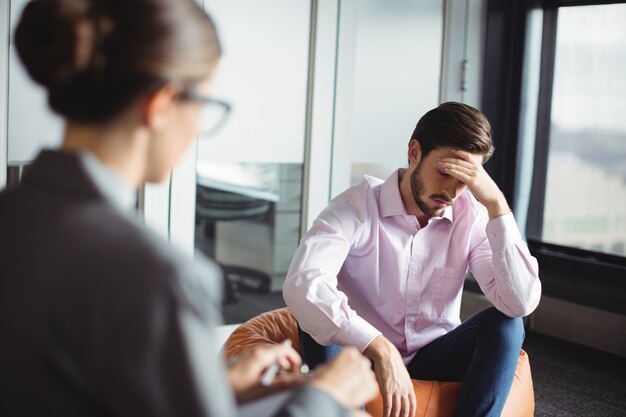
{"points": [[391, 201], [112, 186], [448, 214]]}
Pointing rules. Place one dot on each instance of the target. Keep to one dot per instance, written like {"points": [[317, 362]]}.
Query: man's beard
{"points": [[417, 189]]}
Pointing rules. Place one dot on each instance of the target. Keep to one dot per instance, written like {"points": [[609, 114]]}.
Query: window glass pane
{"points": [[585, 201], [248, 220], [388, 73], [249, 174], [263, 74]]}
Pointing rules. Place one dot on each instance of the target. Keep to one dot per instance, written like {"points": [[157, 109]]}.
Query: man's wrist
{"points": [[378, 349], [497, 208]]}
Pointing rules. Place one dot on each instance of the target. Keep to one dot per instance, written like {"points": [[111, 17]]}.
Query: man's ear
{"points": [[159, 105], [415, 151]]}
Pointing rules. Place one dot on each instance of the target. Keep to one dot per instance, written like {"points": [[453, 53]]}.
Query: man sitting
{"points": [[384, 264]]}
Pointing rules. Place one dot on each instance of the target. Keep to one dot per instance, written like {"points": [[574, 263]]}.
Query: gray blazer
{"points": [[100, 317]]}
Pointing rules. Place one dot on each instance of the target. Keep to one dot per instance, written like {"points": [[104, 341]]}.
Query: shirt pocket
{"points": [[448, 285]]}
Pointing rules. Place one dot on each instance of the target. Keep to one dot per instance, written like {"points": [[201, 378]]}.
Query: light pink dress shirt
{"points": [[366, 268]]}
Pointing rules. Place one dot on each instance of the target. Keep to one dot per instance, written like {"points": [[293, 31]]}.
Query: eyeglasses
{"points": [[214, 112]]}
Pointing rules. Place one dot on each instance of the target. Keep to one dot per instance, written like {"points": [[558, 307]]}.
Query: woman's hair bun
{"points": [[58, 40], [95, 57]]}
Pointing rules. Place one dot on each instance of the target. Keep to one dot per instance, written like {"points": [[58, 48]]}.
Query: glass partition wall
{"points": [[388, 72], [383, 63], [249, 174]]}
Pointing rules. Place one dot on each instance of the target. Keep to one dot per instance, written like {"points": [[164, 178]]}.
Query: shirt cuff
{"points": [[356, 332], [502, 231]]}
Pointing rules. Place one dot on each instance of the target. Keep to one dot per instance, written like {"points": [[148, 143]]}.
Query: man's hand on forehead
{"points": [[468, 156], [468, 168]]}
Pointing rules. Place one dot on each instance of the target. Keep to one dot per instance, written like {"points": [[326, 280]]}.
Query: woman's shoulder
{"points": [[128, 252]]}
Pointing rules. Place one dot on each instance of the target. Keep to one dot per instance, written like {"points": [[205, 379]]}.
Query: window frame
{"points": [[542, 143], [578, 275]]}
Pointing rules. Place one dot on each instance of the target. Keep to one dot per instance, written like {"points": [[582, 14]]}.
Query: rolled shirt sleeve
{"points": [[504, 268], [310, 289]]}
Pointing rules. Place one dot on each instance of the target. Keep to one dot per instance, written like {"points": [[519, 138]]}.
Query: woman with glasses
{"points": [[98, 316]]}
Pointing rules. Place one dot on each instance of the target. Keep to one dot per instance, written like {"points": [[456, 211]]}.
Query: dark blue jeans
{"points": [[482, 353]]}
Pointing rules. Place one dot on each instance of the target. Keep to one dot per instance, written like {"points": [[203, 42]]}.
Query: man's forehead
{"points": [[447, 152]]}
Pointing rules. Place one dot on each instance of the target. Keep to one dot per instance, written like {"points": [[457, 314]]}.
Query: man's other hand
{"points": [[393, 378]]}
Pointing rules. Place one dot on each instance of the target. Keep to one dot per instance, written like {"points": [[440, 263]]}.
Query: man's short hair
{"points": [[454, 125]]}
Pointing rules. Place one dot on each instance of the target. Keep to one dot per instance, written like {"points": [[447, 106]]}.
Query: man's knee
{"points": [[509, 331]]}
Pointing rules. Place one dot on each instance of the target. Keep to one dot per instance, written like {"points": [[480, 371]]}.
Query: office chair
{"points": [[213, 205]]}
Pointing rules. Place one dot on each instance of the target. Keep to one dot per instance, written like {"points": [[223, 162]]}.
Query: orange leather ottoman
{"points": [[434, 399]]}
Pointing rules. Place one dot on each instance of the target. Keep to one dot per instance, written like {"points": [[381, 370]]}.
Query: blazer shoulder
{"points": [[131, 254]]}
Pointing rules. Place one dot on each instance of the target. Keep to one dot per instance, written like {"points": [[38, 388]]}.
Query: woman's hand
{"points": [[348, 378], [244, 373]]}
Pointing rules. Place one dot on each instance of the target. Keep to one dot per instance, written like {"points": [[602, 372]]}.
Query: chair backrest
{"points": [[214, 204], [265, 329]]}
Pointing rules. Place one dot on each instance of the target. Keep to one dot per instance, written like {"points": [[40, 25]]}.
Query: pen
{"points": [[270, 373]]}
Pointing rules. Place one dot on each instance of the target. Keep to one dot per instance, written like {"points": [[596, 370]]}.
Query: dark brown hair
{"points": [[454, 125], [95, 57]]}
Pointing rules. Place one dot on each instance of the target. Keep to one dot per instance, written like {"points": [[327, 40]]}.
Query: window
{"points": [[579, 190], [554, 91]]}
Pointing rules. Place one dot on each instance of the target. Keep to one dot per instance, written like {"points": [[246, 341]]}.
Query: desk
{"points": [[253, 180]]}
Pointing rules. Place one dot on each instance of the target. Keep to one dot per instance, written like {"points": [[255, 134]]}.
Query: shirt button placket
{"points": [[414, 279], [414, 286]]}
